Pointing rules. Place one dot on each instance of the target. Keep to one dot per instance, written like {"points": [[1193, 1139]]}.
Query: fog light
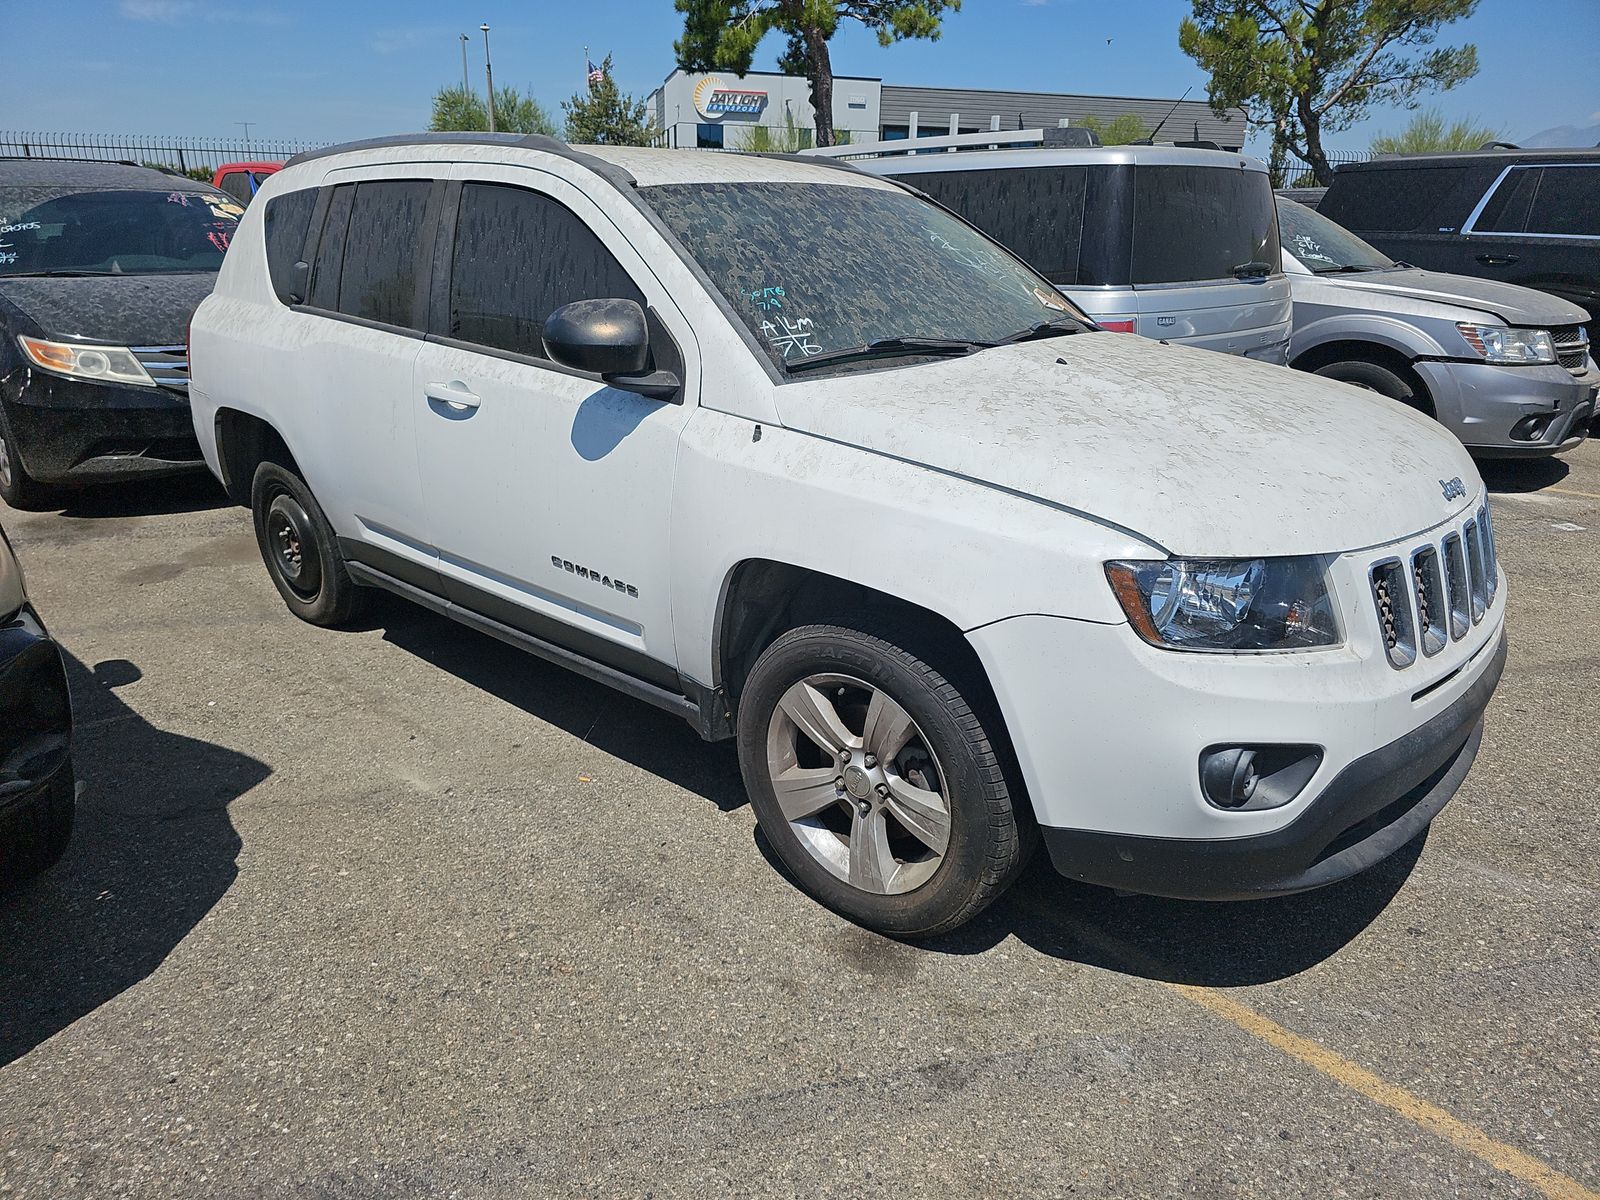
{"points": [[1250, 778]]}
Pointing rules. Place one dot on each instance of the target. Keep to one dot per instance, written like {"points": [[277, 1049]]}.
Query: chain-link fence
{"points": [[190, 155]]}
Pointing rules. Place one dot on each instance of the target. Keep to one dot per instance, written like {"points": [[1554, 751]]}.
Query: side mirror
{"points": [[611, 339]]}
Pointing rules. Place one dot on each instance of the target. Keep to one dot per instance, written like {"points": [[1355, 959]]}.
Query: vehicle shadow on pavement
{"points": [[1224, 944], [153, 850], [194, 491], [1522, 474], [629, 729]]}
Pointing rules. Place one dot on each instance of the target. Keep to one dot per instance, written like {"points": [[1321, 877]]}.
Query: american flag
{"points": [[596, 74]]}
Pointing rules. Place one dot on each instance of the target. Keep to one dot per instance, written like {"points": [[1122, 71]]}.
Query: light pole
{"points": [[488, 74], [246, 125], [466, 88]]}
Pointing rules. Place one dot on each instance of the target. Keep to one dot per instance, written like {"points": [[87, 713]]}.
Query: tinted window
{"points": [[1195, 223], [330, 249], [379, 279], [1568, 201], [811, 268], [116, 232], [237, 185], [518, 257], [1507, 209], [1391, 201], [287, 219], [1035, 211]]}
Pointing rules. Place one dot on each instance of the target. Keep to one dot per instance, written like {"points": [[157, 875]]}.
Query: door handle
{"points": [[455, 393], [1497, 260]]}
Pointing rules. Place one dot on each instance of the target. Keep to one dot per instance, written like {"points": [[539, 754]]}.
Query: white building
{"points": [[716, 109]]}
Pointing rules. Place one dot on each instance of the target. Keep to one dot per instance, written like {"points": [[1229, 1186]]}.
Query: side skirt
{"points": [[706, 711]]}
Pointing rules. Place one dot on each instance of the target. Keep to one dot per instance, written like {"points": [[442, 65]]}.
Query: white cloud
{"points": [[172, 12], [167, 12]]}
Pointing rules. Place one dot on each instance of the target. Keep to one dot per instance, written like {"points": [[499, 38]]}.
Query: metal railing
{"points": [[181, 153]]}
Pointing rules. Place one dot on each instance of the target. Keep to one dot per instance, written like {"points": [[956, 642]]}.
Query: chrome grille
{"points": [[167, 365], [1572, 347], [1438, 593]]}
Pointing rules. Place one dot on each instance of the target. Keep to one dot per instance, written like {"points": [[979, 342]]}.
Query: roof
{"points": [[1452, 158], [65, 174], [624, 166]]}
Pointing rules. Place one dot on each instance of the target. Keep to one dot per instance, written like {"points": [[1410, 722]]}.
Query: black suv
{"points": [[1522, 216], [101, 267]]}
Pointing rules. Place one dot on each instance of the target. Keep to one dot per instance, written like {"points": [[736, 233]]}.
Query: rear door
{"points": [[1539, 226], [367, 294], [548, 492], [1206, 265]]}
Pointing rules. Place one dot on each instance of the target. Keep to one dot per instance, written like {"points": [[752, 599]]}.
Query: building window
{"points": [[708, 137]]}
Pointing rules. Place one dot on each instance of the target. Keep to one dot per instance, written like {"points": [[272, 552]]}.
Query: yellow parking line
{"points": [[1469, 1138], [1571, 492]]}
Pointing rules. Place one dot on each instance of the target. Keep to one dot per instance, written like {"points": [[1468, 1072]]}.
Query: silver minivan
{"points": [[1171, 242]]}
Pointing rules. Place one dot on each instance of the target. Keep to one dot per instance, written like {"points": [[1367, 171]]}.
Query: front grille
{"points": [[1438, 593], [167, 365], [1572, 347]]}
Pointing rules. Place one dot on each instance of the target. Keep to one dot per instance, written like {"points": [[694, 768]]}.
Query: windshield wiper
{"points": [[1347, 269], [1045, 330], [886, 348]]}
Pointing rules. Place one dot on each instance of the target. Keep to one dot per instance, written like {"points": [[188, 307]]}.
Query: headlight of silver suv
{"points": [[1236, 604], [1500, 344], [102, 364]]}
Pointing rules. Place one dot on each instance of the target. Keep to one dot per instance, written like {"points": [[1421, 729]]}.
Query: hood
{"points": [[128, 310], [1512, 304], [1204, 454]]}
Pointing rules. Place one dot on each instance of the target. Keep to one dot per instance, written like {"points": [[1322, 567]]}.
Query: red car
{"points": [[241, 180]]}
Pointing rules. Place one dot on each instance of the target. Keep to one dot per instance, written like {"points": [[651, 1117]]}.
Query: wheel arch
{"points": [[244, 442], [1377, 353]]}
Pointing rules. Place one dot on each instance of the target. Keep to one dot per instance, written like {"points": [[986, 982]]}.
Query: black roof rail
{"points": [[522, 141], [109, 162]]}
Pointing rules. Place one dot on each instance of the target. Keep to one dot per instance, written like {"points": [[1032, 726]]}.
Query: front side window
{"points": [[1202, 223], [1506, 211], [1323, 247], [815, 268], [114, 232], [518, 257]]}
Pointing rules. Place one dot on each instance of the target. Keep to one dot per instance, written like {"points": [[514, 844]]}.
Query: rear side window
{"points": [[237, 185], [1567, 202], [1200, 223], [1036, 212], [288, 218], [378, 281], [518, 257], [1389, 201], [330, 249]]}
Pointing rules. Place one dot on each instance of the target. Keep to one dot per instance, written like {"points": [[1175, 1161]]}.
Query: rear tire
{"points": [[300, 549], [17, 488], [876, 783], [1373, 378]]}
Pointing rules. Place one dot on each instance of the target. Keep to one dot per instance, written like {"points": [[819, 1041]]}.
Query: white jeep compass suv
{"points": [[781, 447]]}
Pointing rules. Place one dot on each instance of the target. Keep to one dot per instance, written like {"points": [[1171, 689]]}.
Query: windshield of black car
{"points": [[1323, 247], [114, 232], [817, 268]]}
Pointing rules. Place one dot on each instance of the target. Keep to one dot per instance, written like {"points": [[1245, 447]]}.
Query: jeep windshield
{"points": [[1323, 247], [114, 232], [847, 273]]}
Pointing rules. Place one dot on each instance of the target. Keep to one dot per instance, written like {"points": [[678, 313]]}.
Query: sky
{"points": [[342, 69]]}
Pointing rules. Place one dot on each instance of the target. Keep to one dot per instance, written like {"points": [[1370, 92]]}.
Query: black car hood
{"points": [[127, 310]]}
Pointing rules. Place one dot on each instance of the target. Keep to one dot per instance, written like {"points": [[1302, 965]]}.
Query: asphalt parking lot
{"points": [[397, 912]]}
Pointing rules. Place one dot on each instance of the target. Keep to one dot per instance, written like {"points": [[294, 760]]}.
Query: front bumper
{"points": [[67, 430], [1375, 806], [1512, 412], [35, 729]]}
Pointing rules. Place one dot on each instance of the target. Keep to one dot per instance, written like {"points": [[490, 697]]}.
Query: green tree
{"points": [[459, 108], [1428, 130], [1119, 131], [605, 116], [1305, 68], [722, 35]]}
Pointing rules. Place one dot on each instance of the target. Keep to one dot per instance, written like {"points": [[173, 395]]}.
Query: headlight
{"points": [[104, 364], [1499, 344], [1228, 604]]}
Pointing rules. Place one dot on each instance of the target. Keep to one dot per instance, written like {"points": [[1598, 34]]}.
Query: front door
{"points": [[548, 492]]}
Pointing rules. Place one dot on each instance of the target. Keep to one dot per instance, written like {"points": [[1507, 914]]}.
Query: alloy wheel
{"points": [[858, 783]]}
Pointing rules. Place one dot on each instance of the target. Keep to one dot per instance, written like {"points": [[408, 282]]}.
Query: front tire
{"points": [[875, 782], [300, 548], [1385, 382], [17, 488]]}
